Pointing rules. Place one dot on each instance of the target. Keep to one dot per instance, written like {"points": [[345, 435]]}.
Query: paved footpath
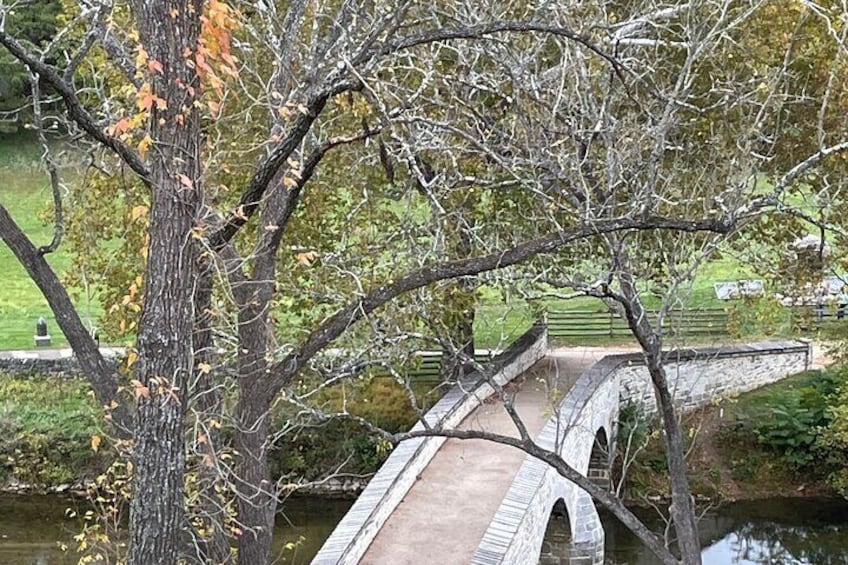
{"points": [[54, 354], [445, 514]]}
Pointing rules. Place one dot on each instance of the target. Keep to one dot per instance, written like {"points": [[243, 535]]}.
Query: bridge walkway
{"points": [[445, 514]]}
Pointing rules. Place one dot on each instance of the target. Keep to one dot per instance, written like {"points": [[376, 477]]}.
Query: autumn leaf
{"points": [[95, 443], [140, 389], [185, 181], [306, 258], [138, 211], [204, 368], [119, 128], [155, 66], [144, 145]]}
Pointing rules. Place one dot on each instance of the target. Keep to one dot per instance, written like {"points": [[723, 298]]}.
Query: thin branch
{"points": [[50, 165], [498, 27], [270, 165]]}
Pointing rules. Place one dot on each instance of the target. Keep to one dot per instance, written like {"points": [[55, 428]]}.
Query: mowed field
{"points": [[25, 192]]}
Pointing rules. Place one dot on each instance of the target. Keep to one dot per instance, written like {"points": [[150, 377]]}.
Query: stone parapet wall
{"points": [[351, 538], [697, 378]]}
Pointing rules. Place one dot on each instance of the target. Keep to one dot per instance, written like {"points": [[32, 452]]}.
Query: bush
{"points": [[317, 448], [792, 425], [46, 426]]}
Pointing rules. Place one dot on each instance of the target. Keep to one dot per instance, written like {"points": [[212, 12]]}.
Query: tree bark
{"points": [[169, 31], [257, 501], [213, 546]]}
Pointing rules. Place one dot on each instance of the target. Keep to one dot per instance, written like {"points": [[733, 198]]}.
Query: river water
{"points": [[783, 531], [779, 531]]}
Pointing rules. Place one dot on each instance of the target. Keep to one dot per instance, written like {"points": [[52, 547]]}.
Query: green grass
{"points": [[25, 192]]}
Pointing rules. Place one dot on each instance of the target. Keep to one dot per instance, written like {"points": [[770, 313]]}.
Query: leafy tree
{"points": [[296, 176]]}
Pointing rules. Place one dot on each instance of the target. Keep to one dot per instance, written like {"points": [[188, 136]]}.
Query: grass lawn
{"points": [[25, 192]]}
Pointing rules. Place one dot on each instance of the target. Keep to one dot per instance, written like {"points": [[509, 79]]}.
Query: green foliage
{"points": [[758, 316], [793, 424], [316, 449], [833, 439], [46, 429], [792, 430], [787, 419], [640, 455], [32, 22]]}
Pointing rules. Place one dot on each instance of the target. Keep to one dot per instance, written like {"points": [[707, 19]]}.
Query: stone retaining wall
{"points": [[56, 363]]}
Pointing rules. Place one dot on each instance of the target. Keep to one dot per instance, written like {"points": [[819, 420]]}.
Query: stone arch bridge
{"points": [[441, 502]]}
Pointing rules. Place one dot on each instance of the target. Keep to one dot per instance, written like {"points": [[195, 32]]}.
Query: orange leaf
{"points": [[155, 66], [140, 389]]}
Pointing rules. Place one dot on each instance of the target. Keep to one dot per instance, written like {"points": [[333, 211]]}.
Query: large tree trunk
{"points": [[257, 496], [257, 500], [213, 546], [169, 31]]}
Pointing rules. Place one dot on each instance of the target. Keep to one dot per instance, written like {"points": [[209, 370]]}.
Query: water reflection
{"points": [[779, 531], [32, 527]]}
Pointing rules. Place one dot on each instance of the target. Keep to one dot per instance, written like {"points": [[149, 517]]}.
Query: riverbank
{"points": [[52, 441], [763, 444]]}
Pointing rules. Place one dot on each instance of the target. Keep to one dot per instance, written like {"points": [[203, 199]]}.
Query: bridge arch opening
{"points": [[600, 461], [556, 546]]}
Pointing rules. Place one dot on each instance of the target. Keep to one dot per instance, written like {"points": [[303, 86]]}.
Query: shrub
{"points": [[793, 424], [46, 426]]}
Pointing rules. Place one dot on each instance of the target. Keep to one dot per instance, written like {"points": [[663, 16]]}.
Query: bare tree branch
{"points": [[100, 372]]}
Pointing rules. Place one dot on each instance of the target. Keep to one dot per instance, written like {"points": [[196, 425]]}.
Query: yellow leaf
{"points": [[289, 182], [139, 211], [132, 357], [306, 258], [144, 145], [204, 368], [95, 443]]}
